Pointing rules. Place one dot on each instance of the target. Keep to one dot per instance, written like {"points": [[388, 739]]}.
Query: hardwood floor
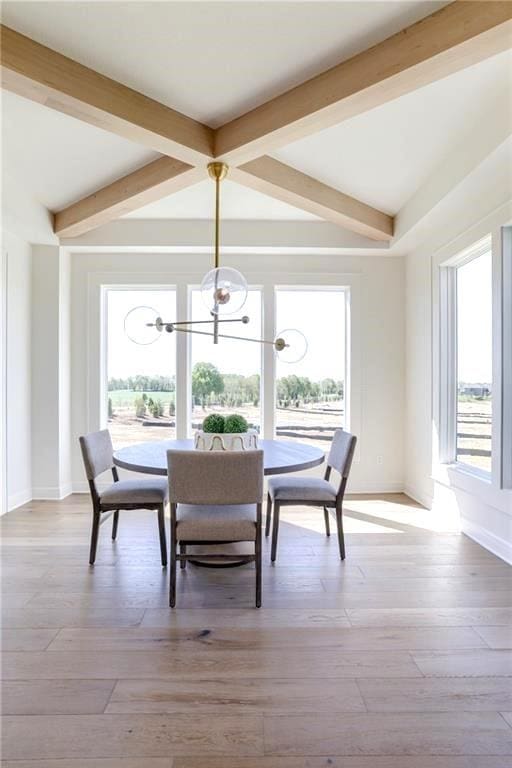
{"points": [[400, 657]]}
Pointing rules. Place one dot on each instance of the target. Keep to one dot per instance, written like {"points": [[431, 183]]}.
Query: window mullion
{"points": [[183, 373], [268, 379], [448, 349]]}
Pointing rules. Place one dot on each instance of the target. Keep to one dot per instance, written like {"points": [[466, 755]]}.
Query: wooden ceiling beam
{"points": [[285, 183], [40, 74], [154, 181], [457, 36]]}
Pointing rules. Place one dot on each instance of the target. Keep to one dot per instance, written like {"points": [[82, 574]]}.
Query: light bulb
{"points": [[291, 345], [143, 325], [224, 290]]}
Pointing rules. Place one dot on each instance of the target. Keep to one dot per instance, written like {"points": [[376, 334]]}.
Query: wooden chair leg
{"points": [[161, 531], [326, 518], [94, 536], [172, 578], [257, 547], [269, 515], [183, 551], [115, 521], [341, 537], [275, 532]]}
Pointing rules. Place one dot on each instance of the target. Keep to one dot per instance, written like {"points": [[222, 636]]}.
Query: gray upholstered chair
{"points": [[215, 499], [97, 453], [314, 491]]}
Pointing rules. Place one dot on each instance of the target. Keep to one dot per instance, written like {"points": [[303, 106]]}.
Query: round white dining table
{"points": [[279, 456]]}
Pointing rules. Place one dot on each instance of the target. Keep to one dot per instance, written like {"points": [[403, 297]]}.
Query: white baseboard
{"points": [[495, 544], [421, 498], [82, 486], [17, 499], [376, 487], [52, 493]]}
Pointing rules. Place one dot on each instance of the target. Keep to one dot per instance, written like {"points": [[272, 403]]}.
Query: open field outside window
{"points": [[474, 362], [141, 379]]}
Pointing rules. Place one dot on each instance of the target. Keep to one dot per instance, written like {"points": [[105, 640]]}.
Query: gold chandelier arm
{"points": [[244, 320], [229, 336]]}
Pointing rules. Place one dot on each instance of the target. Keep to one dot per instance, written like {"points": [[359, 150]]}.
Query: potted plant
{"points": [[225, 433]]}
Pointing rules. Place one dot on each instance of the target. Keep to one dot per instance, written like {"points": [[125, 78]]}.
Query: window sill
{"points": [[478, 484], [466, 470]]}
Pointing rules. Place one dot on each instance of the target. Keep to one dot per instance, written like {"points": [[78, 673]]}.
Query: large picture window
{"points": [[310, 394], [474, 361], [226, 377], [141, 378], [160, 386]]}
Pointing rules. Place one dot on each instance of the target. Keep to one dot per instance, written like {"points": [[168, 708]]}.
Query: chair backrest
{"points": [[97, 452], [215, 477], [342, 452]]}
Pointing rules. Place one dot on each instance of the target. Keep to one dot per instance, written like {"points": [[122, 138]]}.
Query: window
{"points": [[140, 378], [227, 377], [140, 394], [474, 361], [310, 394]]}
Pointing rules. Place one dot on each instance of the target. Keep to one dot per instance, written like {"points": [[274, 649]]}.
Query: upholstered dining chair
{"points": [[143, 493], [314, 491], [215, 499]]}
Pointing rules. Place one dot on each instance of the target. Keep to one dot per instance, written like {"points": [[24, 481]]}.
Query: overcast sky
{"points": [[474, 320], [318, 314]]}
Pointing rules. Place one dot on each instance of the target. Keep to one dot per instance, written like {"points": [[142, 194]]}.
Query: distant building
{"points": [[475, 390]]}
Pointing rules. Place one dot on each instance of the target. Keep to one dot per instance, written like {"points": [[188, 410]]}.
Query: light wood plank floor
{"points": [[400, 657]]}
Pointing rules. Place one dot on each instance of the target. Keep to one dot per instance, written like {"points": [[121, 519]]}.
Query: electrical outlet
{"points": [[380, 459]]}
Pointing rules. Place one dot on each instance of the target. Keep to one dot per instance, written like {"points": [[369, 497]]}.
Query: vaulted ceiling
{"points": [[216, 62]]}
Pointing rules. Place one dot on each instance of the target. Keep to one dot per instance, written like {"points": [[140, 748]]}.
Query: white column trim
{"points": [[3, 382]]}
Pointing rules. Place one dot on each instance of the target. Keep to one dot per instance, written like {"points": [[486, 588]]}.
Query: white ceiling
{"points": [[212, 60], [60, 159], [383, 156], [216, 60]]}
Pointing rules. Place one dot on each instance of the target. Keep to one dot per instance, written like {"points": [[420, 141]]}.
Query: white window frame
{"points": [[502, 427], [103, 367], [183, 284], [448, 378], [345, 290]]}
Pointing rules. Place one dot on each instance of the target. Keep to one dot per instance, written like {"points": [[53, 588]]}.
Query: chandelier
{"points": [[224, 291]]}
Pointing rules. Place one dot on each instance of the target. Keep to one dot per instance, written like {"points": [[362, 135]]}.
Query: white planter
{"points": [[226, 441]]}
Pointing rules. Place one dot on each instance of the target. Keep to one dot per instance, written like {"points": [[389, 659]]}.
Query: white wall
{"points": [[18, 381], [51, 460], [477, 208], [377, 295]]}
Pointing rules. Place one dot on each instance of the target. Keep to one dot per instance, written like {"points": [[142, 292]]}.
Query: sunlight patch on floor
{"points": [[371, 514]]}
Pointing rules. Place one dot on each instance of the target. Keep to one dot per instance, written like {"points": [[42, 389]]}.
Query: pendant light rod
{"points": [[217, 172]]}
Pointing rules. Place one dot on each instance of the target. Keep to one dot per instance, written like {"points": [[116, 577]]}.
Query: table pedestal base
{"points": [[202, 560], [212, 564]]}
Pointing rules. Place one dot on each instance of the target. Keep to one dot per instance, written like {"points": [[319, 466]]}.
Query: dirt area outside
{"points": [[313, 424], [474, 426]]}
